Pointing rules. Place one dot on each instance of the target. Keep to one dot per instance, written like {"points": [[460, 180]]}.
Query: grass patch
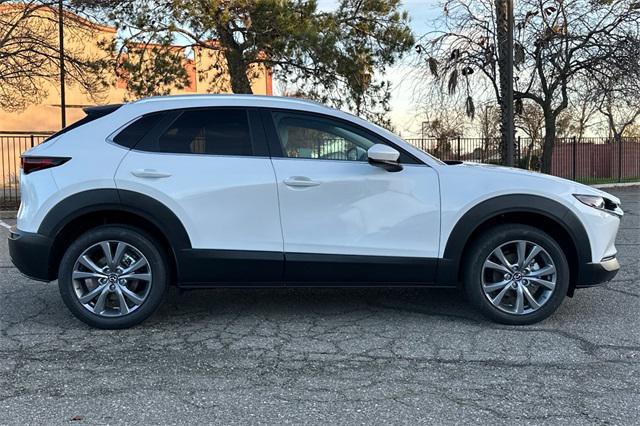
{"points": [[602, 181]]}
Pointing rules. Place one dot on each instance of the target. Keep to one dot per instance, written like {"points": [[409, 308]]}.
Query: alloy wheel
{"points": [[519, 277], [111, 278]]}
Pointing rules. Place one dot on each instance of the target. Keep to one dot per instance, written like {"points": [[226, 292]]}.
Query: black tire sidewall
{"points": [[493, 238], [137, 238]]}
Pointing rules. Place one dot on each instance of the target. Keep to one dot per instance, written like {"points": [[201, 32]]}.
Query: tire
{"points": [[500, 292], [118, 292]]}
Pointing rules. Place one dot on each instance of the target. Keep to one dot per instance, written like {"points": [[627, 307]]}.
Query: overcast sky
{"points": [[402, 76]]}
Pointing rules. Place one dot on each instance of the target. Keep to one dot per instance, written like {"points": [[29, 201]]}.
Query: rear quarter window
{"points": [[134, 132]]}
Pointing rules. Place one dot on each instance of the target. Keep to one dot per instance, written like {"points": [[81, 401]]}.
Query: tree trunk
{"points": [[235, 62], [549, 140]]}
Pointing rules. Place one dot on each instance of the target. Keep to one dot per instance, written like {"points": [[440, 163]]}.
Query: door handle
{"points": [[149, 173], [300, 182]]}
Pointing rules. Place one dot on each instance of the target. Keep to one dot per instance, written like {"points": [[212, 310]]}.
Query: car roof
{"points": [[181, 101]]}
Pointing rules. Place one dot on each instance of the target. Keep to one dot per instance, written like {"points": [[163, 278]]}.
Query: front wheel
{"points": [[516, 274], [113, 277]]}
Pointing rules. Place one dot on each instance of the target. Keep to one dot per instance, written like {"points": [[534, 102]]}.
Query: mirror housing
{"points": [[384, 156]]}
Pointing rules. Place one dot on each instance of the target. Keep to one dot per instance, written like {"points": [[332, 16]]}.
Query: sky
{"points": [[404, 109]]}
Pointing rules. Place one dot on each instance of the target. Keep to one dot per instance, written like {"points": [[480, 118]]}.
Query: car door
{"points": [[343, 219], [211, 167]]}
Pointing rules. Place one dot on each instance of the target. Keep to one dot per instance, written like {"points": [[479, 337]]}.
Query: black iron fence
{"points": [[587, 160], [12, 144]]}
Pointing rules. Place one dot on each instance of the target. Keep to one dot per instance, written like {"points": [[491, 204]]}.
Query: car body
{"points": [[239, 190]]}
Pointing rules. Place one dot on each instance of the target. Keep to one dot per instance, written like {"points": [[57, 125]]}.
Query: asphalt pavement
{"points": [[319, 356]]}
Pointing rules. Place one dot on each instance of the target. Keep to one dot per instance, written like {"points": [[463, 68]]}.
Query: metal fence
{"points": [[587, 160], [12, 144]]}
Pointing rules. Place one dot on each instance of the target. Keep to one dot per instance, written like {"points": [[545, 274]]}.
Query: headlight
{"points": [[600, 203]]}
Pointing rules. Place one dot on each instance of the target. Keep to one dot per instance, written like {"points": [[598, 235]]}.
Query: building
{"points": [[86, 37]]}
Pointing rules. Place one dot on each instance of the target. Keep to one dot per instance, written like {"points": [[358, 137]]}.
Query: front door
{"points": [[343, 219]]}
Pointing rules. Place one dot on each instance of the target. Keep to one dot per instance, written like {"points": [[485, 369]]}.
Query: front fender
{"points": [[472, 220]]}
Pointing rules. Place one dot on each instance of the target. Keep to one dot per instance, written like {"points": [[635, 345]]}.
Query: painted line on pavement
{"points": [[5, 224]]}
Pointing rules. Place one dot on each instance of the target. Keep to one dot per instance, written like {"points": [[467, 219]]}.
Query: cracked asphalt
{"points": [[401, 356]]}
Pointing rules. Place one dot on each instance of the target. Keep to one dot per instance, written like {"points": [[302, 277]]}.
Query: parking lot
{"points": [[325, 356]]}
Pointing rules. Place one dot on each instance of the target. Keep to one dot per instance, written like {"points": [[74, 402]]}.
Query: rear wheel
{"points": [[113, 277], [516, 274]]}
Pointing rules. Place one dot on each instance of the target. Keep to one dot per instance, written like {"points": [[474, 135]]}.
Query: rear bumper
{"points": [[596, 273], [31, 254]]}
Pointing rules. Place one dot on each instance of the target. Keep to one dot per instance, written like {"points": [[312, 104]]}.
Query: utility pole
{"points": [[63, 104], [504, 26]]}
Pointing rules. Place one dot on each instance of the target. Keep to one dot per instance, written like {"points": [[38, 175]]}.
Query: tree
{"points": [[530, 120], [489, 123], [442, 124], [615, 94], [557, 42], [581, 112], [333, 57], [29, 53]]}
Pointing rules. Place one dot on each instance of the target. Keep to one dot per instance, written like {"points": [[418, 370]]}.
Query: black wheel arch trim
{"points": [[449, 266], [126, 201]]}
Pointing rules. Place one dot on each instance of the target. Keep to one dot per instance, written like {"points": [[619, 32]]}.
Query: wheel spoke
{"points": [[131, 295], [117, 258], [92, 294], [122, 303], [547, 270], [493, 265], [495, 286], [496, 300], [548, 284], [80, 275], [137, 265], [84, 260], [522, 250], [519, 300], [533, 303], [535, 250], [106, 249], [98, 308], [141, 277], [501, 257]]}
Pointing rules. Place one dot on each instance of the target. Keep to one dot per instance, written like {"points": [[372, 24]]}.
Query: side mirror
{"points": [[384, 156]]}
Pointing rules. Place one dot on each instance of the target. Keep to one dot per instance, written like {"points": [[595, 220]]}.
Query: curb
{"points": [[616, 185]]}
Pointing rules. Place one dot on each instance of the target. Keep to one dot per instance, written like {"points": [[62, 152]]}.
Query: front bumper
{"points": [[31, 254], [595, 273]]}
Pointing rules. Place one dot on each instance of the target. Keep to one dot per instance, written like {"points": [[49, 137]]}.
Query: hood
{"points": [[558, 182]]}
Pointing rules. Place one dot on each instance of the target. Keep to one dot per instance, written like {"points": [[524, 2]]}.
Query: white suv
{"points": [[211, 191]]}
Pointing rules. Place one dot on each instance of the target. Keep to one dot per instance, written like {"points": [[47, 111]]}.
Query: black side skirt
{"points": [[199, 268], [322, 269]]}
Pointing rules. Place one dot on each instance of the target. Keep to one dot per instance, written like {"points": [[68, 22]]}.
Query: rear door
{"points": [[211, 167]]}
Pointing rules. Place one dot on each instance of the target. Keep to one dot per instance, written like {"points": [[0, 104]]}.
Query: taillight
{"points": [[33, 164]]}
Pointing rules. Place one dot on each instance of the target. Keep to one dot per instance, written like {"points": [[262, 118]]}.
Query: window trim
{"points": [[275, 145], [149, 142]]}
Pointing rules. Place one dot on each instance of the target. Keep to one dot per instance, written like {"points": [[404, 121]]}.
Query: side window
{"points": [[304, 136], [208, 131], [135, 131]]}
